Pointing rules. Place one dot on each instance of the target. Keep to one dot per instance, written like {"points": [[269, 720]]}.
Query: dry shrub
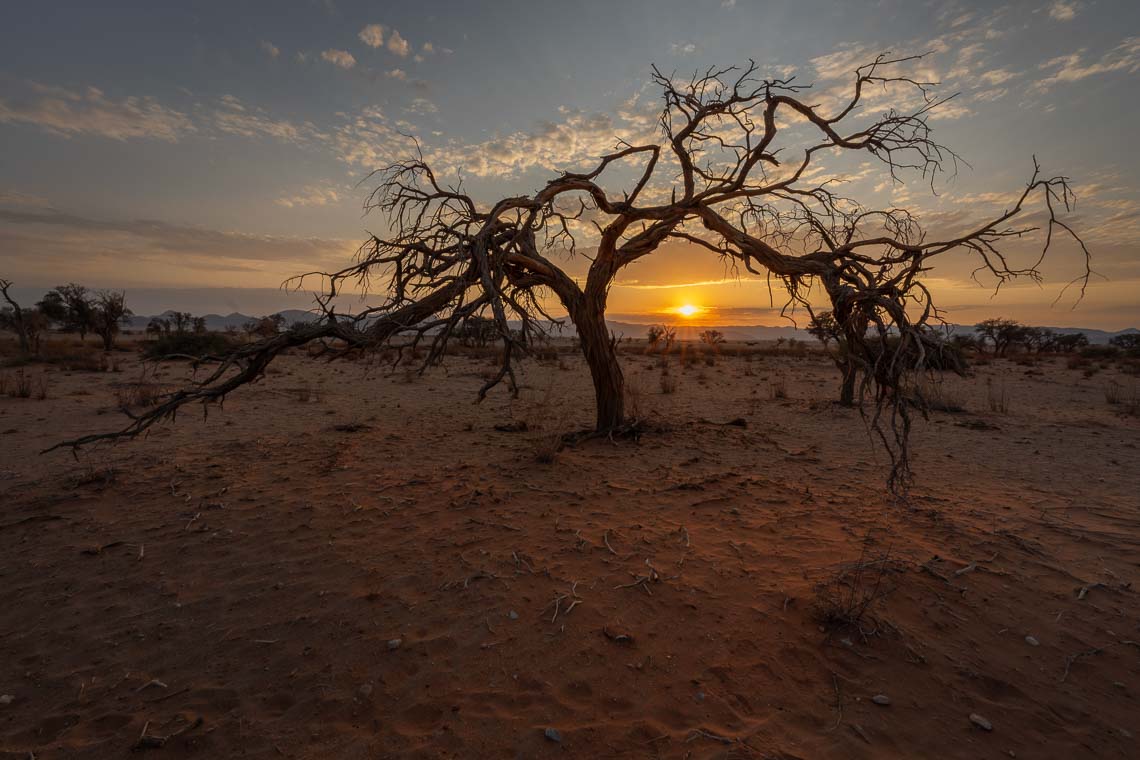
{"points": [[668, 381], [937, 396], [845, 598], [1113, 393], [996, 397], [778, 387], [20, 386], [306, 393]]}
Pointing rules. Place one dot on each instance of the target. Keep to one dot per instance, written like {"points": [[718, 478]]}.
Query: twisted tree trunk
{"points": [[587, 312]]}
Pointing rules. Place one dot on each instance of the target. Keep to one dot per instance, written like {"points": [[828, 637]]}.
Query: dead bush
{"points": [[845, 598], [778, 387], [996, 397]]}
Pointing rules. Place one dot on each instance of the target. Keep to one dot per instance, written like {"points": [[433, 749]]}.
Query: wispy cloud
{"points": [[269, 48], [311, 195], [1074, 67], [152, 249], [89, 111]]}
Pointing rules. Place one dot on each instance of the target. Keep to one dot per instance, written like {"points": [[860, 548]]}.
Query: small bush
{"points": [[193, 345], [845, 599], [668, 382], [778, 387], [997, 398]]}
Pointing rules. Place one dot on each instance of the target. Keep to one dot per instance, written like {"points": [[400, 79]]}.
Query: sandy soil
{"points": [[377, 571]]}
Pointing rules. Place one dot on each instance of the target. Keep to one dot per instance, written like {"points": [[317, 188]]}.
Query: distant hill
{"points": [[742, 333]]}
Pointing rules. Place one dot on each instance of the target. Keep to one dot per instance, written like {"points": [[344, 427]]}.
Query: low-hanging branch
{"points": [[717, 178]]}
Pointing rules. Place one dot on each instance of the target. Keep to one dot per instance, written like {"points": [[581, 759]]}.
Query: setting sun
{"points": [[688, 310]]}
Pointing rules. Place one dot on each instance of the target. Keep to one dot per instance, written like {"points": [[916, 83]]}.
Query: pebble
{"points": [[881, 699], [7, 699], [1032, 641], [513, 615], [552, 735], [395, 643], [365, 690], [981, 722]]}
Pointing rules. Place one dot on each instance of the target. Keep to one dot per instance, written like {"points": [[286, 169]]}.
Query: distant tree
{"points": [[265, 327], [1070, 342], [70, 306], [158, 326], [1126, 342], [654, 334], [712, 338], [181, 320], [19, 320], [199, 324], [111, 313], [1002, 333], [661, 337]]}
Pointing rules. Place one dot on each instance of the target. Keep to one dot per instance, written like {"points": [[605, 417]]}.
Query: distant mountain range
{"points": [[236, 320]]}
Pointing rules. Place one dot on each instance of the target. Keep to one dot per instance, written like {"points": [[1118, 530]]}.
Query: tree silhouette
{"points": [[739, 170]]}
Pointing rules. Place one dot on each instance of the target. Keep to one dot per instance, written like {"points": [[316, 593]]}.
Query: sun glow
{"points": [[688, 310]]}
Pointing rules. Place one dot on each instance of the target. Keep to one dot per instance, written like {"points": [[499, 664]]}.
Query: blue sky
{"points": [[199, 145]]}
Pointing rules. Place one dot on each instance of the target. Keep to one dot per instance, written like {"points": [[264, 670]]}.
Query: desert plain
{"points": [[351, 560]]}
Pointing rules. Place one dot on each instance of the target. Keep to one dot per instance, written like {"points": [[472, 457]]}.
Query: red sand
{"points": [[239, 582]]}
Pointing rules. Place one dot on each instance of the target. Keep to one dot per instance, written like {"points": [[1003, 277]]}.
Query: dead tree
{"points": [[728, 174], [16, 318], [110, 313]]}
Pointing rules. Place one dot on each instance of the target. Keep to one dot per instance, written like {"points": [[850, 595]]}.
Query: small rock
{"points": [[1032, 641], [847, 642], [365, 690], [981, 722], [395, 643], [552, 734], [881, 699], [513, 615], [7, 699], [700, 696]]}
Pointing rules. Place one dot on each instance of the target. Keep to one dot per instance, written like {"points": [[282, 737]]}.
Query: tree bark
{"points": [[601, 356], [847, 389]]}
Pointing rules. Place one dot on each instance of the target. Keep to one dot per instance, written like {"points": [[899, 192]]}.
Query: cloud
{"points": [[422, 107], [842, 63], [372, 35], [1063, 11], [232, 117], [428, 48], [683, 48], [398, 44], [269, 48], [341, 58], [1073, 67], [67, 113], [397, 74], [311, 195], [46, 242]]}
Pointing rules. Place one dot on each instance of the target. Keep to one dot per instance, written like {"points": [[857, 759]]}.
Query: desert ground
{"points": [[351, 561]]}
